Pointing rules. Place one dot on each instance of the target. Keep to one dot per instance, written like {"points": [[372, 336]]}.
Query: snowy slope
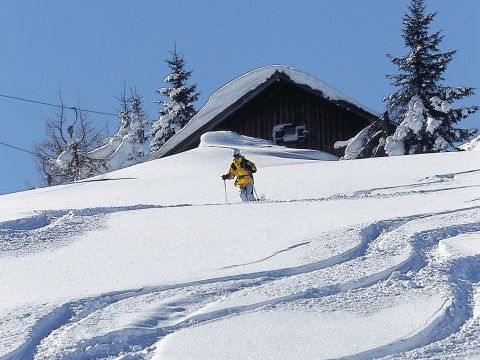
{"points": [[352, 259], [473, 144]]}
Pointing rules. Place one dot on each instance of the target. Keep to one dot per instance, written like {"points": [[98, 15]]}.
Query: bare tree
{"points": [[63, 156]]}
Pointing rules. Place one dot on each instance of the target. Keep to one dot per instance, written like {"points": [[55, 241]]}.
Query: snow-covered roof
{"points": [[230, 93]]}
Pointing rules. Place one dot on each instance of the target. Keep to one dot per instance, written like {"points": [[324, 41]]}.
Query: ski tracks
{"points": [[75, 314], [388, 251], [429, 273], [391, 256], [51, 229]]}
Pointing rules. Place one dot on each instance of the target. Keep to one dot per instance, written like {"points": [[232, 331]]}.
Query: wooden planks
{"points": [[283, 103]]}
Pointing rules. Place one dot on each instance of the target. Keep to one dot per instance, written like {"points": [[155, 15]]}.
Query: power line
{"points": [[56, 105], [17, 148]]}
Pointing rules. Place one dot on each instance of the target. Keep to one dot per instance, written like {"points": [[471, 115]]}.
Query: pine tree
{"points": [[423, 105], [178, 108], [124, 116], [127, 146], [137, 128], [370, 141]]}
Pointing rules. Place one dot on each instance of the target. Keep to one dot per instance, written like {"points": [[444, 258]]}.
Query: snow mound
{"points": [[472, 145], [347, 334], [464, 245], [230, 139]]}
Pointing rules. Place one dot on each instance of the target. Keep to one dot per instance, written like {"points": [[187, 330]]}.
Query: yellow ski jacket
{"points": [[243, 170]]}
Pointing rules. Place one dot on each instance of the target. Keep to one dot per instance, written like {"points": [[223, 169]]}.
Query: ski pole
{"points": [[225, 186]]}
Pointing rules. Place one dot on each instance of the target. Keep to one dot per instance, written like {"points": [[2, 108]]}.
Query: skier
{"points": [[243, 170]]}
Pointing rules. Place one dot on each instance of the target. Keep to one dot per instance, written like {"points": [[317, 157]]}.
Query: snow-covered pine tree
{"points": [[423, 105], [178, 108], [137, 129], [124, 116], [127, 146], [369, 142]]}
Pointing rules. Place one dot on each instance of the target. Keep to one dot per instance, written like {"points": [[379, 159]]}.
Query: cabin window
{"points": [[289, 134]]}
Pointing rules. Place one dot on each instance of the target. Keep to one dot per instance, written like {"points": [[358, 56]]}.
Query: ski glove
{"points": [[225, 177]]}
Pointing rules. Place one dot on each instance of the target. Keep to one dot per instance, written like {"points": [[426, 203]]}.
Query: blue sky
{"points": [[89, 49]]}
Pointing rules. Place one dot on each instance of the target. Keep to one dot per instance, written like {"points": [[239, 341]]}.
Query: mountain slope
{"points": [[367, 258]]}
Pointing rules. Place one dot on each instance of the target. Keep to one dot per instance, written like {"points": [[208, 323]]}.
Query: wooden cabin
{"points": [[280, 104]]}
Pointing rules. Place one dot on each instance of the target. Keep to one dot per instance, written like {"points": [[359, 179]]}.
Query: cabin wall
{"points": [[285, 103]]}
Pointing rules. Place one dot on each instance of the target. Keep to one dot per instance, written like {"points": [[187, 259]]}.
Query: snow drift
{"points": [[472, 145]]}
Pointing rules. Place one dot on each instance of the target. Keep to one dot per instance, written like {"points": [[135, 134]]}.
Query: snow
{"points": [[259, 146], [460, 246], [372, 258], [106, 150], [126, 147], [467, 111], [393, 147], [472, 145], [441, 105], [432, 125], [318, 335], [171, 77], [416, 121], [354, 145], [441, 144], [65, 158], [413, 123], [234, 90], [415, 116], [174, 92]]}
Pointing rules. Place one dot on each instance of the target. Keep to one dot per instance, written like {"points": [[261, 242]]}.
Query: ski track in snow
{"points": [[80, 309], [49, 229], [113, 344], [460, 276], [268, 257], [180, 306]]}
